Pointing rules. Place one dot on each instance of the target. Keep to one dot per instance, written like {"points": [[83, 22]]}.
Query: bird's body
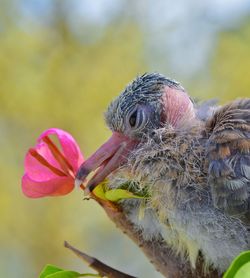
{"points": [[173, 165], [195, 169]]}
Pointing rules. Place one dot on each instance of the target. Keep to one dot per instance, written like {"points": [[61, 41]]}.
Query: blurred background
{"points": [[61, 62]]}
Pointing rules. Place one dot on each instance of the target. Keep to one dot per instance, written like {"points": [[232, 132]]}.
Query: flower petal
{"points": [[69, 146], [54, 187], [35, 169]]}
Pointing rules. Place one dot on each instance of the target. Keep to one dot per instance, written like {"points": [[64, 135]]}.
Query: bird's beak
{"points": [[107, 158]]}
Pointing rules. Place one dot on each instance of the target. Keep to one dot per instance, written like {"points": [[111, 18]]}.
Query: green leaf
{"points": [[51, 271], [65, 274], [115, 195], [240, 267], [244, 271]]}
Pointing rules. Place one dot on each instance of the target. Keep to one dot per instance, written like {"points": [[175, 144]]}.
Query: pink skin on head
{"points": [[107, 158], [178, 107]]}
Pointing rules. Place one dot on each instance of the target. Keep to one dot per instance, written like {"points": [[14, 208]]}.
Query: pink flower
{"points": [[49, 170]]}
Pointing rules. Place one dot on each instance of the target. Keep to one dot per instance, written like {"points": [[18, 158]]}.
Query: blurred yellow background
{"points": [[61, 62]]}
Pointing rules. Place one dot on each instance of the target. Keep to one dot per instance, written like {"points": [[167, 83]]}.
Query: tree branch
{"points": [[100, 267]]}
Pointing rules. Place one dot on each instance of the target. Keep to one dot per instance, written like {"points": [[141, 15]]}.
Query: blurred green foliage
{"points": [[227, 75], [50, 78]]}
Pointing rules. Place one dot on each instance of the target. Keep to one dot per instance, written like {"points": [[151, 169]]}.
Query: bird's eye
{"points": [[132, 119], [137, 118]]}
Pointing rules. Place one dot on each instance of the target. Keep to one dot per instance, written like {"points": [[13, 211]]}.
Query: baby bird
{"points": [[194, 164]]}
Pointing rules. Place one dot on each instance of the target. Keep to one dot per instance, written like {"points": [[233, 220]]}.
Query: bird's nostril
{"points": [[152, 133], [82, 173]]}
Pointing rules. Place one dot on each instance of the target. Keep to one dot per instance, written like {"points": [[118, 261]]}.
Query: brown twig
{"points": [[100, 267]]}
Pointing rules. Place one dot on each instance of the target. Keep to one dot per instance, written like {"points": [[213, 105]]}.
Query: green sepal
{"points": [[115, 195], [100, 190]]}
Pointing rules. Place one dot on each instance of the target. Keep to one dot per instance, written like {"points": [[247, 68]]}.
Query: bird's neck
{"points": [[171, 156], [174, 168]]}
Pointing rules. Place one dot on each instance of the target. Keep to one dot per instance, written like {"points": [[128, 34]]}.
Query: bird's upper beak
{"points": [[107, 158]]}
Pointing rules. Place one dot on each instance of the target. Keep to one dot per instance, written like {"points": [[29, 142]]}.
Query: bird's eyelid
{"points": [[141, 117], [130, 114], [133, 118]]}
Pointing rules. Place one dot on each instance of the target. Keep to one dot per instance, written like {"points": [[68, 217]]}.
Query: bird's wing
{"points": [[206, 109], [228, 157]]}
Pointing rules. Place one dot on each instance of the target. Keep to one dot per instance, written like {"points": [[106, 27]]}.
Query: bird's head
{"points": [[149, 102]]}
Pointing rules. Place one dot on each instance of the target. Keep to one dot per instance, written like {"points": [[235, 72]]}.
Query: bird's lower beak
{"points": [[107, 158]]}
